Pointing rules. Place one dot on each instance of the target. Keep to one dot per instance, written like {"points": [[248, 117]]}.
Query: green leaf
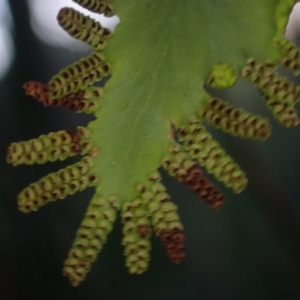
{"points": [[161, 54]]}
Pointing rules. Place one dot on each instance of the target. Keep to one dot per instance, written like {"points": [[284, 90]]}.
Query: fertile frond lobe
{"points": [[57, 185], [201, 146], [49, 148], [279, 94], [83, 27], [90, 237], [79, 75], [235, 121], [153, 113]]}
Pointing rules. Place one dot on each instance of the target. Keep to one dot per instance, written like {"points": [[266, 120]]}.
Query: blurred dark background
{"points": [[250, 249]]}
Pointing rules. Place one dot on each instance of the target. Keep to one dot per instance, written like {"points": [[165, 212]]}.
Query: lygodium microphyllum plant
{"points": [[153, 113]]}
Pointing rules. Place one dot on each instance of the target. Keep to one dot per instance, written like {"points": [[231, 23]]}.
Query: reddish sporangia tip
{"points": [[75, 101], [37, 90], [173, 241], [203, 187]]}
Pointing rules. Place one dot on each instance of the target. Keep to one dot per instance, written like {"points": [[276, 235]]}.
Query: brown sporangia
{"points": [[173, 241], [143, 231], [203, 187]]}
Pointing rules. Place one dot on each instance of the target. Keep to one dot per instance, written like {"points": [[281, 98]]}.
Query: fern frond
{"points": [[152, 114]]}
